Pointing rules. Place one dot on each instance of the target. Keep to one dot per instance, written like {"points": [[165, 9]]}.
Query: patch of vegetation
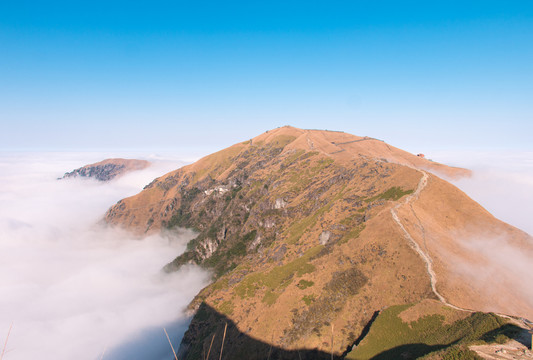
{"points": [[390, 337], [224, 259], [394, 193], [299, 179], [230, 268], [248, 287], [304, 284], [235, 190], [226, 308], [322, 164], [239, 249], [295, 171], [353, 219], [299, 156], [249, 236], [220, 284], [279, 277], [454, 352], [302, 177], [291, 159], [297, 229], [212, 232], [501, 335], [270, 297], [352, 234], [180, 218], [308, 299], [336, 292]]}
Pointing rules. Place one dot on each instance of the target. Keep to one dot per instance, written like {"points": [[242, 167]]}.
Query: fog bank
{"points": [[73, 289], [500, 268], [502, 182]]}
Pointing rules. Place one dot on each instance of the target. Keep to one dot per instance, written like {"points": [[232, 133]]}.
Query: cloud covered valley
{"points": [[74, 289]]}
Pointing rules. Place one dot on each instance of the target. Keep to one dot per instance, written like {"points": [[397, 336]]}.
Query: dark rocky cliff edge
{"points": [[108, 169]]}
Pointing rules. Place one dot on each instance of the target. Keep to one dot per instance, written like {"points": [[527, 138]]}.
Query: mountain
{"points": [[314, 235], [108, 169]]}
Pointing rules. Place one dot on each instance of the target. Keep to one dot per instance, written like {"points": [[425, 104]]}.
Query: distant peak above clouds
{"points": [[108, 169]]}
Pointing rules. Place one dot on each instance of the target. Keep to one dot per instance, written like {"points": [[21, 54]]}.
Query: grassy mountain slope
{"points": [[430, 330], [309, 233]]}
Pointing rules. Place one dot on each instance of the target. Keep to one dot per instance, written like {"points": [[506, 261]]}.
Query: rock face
{"points": [[108, 169], [311, 233]]}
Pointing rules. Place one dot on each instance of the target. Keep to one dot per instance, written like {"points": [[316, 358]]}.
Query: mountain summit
{"points": [[337, 146], [311, 234]]}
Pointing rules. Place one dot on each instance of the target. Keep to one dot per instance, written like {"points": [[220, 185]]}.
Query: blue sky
{"points": [[421, 75]]}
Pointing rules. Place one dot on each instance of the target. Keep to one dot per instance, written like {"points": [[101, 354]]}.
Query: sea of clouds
{"points": [[72, 289], [502, 182]]}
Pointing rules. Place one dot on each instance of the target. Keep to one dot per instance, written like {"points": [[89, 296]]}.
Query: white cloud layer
{"points": [[502, 182], [72, 289]]}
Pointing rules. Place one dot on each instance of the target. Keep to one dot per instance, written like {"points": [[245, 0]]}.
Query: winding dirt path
{"points": [[524, 323], [414, 245]]}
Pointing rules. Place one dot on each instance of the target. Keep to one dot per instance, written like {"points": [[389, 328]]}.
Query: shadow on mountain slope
{"points": [[408, 351], [237, 345]]}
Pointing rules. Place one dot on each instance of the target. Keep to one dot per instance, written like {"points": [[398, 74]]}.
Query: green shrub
{"points": [[308, 299], [270, 297], [304, 284], [394, 193], [390, 335], [280, 276]]}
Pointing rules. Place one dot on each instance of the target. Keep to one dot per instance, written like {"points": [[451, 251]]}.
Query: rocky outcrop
{"points": [[107, 169]]}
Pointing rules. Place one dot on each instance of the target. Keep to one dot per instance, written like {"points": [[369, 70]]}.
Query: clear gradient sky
{"points": [[86, 75]]}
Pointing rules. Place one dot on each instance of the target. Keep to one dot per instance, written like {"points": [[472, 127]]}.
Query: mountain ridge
{"points": [[308, 229]]}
